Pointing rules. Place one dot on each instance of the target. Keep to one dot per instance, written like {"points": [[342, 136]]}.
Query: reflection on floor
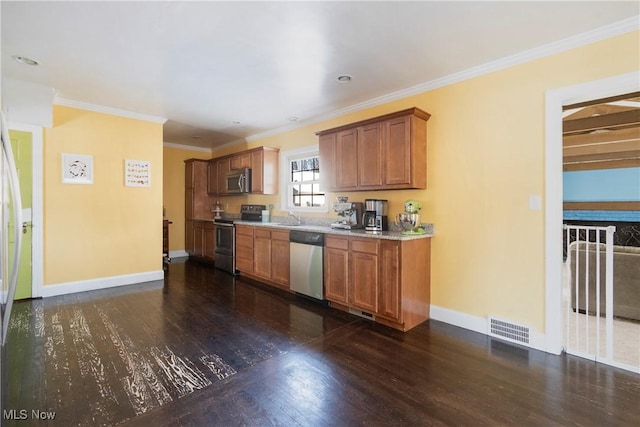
{"points": [[127, 351], [580, 333], [206, 349]]}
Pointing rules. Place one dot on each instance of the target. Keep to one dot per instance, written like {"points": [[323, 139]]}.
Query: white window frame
{"points": [[286, 157]]}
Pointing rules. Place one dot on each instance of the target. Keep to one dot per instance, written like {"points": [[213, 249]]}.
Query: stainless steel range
{"points": [[225, 252]]}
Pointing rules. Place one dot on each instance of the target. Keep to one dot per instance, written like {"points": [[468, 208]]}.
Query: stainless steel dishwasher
{"points": [[305, 266]]}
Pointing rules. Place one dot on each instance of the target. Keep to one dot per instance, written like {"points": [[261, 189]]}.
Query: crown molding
{"points": [[579, 40], [232, 143], [186, 147], [107, 110]]}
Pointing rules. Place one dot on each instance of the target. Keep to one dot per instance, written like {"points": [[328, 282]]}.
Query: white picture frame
{"points": [[137, 173], [77, 169]]}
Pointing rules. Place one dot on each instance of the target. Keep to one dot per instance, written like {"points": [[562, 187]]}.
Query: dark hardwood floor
{"points": [[203, 348]]}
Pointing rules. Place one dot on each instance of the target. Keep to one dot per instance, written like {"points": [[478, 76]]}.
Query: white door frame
{"points": [[37, 216], [554, 101]]}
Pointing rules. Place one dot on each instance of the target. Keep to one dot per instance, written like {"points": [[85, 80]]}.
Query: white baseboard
{"points": [[101, 283], [481, 325], [178, 254]]}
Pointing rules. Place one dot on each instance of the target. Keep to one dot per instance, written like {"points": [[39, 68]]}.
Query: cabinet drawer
{"points": [[245, 230], [369, 246], [261, 233], [243, 241], [336, 243], [208, 225], [280, 235]]}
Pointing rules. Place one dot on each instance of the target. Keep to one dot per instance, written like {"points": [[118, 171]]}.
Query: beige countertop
{"points": [[390, 235]]}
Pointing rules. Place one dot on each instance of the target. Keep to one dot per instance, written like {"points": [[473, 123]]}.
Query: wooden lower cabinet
{"points": [[188, 237], [280, 257], [244, 249], [209, 241], [388, 279], [263, 254], [364, 275], [336, 269], [389, 290], [271, 256], [200, 239]]}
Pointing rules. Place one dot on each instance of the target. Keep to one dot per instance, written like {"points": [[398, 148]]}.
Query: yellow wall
{"points": [[104, 229], [485, 157], [173, 197]]}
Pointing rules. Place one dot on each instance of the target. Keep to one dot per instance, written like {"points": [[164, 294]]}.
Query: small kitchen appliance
{"points": [[409, 220], [350, 214], [375, 215]]}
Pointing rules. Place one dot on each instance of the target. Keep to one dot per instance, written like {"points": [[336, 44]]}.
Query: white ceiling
{"points": [[207, 65]]}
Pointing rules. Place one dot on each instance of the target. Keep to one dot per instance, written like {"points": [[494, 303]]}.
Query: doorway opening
{"points": [[601, 192], [570, 103], [34, 220]]}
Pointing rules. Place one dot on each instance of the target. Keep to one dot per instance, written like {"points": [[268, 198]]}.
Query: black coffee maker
{"points": [[375, 215]]}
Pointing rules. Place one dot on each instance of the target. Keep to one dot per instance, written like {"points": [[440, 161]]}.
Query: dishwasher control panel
{"points": [[306, 237]]}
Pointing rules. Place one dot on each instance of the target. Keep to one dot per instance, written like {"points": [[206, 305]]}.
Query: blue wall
{"points": [[605, 185]]}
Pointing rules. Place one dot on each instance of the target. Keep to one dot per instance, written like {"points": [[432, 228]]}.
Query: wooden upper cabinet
{"points": [[197, 203], [386, 152], [346, 159], [405, 152], [370, 156], [264, 170], [189, 172], [327, 151], [224, 167], [218, 174], [240, 161], [212, 178], [263, 162]]}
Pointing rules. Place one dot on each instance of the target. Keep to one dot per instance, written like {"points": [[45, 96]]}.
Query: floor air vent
{"points": [[508, 331], [362, 314]]}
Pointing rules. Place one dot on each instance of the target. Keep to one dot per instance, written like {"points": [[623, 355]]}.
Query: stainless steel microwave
{"points": [[238, 181]]}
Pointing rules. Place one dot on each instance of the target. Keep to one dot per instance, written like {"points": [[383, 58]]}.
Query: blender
{"points": [[409, 220]]}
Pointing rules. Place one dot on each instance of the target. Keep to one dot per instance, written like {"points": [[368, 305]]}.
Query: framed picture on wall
{"points": [[137, 173], [77, 169]]}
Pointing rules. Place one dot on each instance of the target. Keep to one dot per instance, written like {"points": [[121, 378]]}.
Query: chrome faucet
{"points": [[297, 217]]}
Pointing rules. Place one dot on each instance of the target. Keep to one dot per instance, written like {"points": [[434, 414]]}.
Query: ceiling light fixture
{"points": [[345, 78], [293, 119], [25, 60], [235, 122]]}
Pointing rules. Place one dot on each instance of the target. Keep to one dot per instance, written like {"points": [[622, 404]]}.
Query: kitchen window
{"points": [[301, 180]]}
